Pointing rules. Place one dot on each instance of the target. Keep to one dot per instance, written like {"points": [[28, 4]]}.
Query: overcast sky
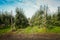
{"points": [[29, 6]]}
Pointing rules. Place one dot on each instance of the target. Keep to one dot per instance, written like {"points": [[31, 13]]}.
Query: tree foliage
{"points": [[5, 19], [20, 19]]}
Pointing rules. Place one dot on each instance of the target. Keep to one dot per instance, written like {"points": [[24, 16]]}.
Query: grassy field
{"points": [[4, 31], [31, 33], [31, 30], [54, 30], [35, 29]]}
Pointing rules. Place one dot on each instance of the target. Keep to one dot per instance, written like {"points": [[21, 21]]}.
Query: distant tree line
{"points": [[5, 19], [41, 19], [17, 21]]}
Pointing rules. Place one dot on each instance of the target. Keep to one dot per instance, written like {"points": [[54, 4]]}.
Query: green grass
{"points": [[30, 30], [4, 31], [35, 29], [54, 30]]}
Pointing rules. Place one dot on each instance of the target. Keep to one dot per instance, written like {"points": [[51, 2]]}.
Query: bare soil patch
{"points": [[49, 36]]}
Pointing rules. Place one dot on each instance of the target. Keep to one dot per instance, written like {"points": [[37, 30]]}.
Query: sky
{"points": [[29, 6]]}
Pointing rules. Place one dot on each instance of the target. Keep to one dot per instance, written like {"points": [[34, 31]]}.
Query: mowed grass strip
{"points": [[36, 29], [31, 30]]}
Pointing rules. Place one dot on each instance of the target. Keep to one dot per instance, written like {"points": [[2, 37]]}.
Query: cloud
{"points": [[29, 6]]}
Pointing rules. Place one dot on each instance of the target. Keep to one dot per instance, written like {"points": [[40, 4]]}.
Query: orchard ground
{"points": [[30, 33]]}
